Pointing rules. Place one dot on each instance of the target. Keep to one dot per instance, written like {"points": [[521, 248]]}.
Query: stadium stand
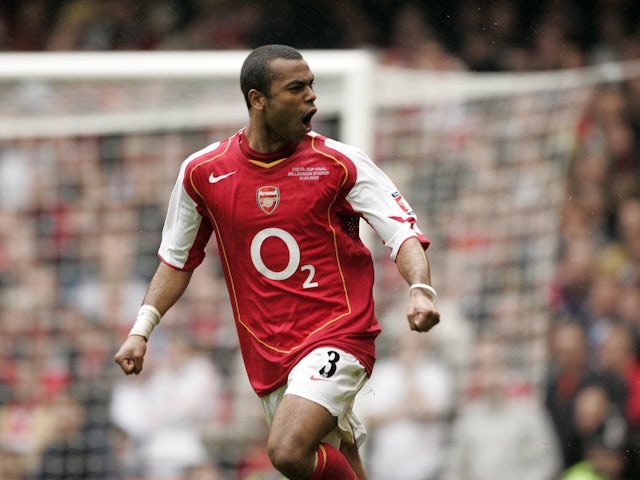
{"points": [[65, 305]]}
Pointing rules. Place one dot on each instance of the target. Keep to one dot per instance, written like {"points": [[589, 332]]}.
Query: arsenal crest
{"points": [[268, 199]]}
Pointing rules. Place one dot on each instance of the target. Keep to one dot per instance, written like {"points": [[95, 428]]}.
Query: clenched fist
{"points": [[422, 313], [130, 357]]}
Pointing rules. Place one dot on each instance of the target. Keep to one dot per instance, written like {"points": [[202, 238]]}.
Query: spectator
{"points": [[569, 373], [415, 44], [407, 404], [603, 433], [80, 448], [498, 433], [574, 274], [602, 462], [619, 358], [621, 257], [189, 397]]}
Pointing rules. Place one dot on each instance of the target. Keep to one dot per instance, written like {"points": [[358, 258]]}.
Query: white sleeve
{"points": [[378, 200], [181, 225]]}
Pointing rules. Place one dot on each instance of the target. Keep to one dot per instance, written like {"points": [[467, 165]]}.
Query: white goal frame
{"points": [[352, 68]]}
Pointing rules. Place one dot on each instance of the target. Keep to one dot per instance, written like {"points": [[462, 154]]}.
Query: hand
{"points": [[421, 313], [130, 357]]}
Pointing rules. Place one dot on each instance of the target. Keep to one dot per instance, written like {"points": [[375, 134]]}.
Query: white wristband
{"points": [[431, 292], [148, 318]]}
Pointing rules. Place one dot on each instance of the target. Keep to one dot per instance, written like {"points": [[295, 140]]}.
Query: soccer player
{"points": [[284, 204]]}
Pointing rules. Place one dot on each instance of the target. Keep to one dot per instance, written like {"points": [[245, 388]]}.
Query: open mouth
{"points": [[306, 120]]}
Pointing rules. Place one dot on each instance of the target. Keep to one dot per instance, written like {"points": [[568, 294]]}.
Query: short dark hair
{"points": [[256, 72]]}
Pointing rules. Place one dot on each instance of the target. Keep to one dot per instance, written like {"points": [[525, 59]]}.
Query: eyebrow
{"points": [[297, 81]]}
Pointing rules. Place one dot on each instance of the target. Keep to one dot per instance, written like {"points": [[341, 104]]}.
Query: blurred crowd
{"points": [[489, 35], [80, 220]]}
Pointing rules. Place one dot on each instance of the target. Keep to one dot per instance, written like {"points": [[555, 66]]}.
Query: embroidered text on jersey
{"points": [[308, 173]]}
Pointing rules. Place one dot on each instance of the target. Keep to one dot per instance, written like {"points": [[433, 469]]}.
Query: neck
{"points": [[260, 141], [254, 152]]}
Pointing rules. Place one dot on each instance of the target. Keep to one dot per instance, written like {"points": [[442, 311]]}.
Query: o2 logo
{"points": [[294, 257]]}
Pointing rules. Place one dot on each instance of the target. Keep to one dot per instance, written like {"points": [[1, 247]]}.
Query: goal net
{"points": [[90, 146]]}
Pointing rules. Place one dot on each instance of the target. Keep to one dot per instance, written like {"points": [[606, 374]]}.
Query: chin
{"points": [[298, 138]]}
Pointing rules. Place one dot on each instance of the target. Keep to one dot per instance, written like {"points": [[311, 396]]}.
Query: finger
{"points": [[138, 365], [425, 321], [414, 326], [128, 366]]}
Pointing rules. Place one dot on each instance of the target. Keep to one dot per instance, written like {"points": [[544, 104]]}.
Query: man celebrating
{"points": [[284, 204]]}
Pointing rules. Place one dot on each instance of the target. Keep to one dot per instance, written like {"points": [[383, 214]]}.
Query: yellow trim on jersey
{"points": [[333, 230], [268, 164]]}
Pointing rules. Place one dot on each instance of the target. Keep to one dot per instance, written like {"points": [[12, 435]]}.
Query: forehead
{"points": [[285, 70]]}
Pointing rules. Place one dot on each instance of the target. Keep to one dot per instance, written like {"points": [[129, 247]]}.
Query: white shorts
{"points": [[329, 377]]}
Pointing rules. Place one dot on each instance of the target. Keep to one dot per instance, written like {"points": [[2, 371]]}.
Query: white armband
{"points": [[431, 292], [148, 318]]}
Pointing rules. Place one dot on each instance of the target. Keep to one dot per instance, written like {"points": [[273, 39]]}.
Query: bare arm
{"points": [[165, 288], [413, 265]]}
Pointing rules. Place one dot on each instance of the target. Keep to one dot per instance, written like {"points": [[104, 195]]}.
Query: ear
{"points": [[257, 99]]}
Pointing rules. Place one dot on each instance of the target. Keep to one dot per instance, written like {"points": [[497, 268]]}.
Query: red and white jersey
{"points": [[286, 223]]}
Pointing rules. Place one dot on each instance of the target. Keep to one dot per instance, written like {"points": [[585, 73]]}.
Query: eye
{"points": [[300, 87]]}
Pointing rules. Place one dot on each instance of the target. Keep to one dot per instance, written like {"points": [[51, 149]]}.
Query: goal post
{"points": [[343, 80]]}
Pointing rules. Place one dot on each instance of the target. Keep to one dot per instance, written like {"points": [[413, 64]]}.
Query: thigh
{"points": [[300, 423]]}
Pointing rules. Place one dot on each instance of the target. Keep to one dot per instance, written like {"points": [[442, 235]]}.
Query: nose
{"points": [[310, 94]]}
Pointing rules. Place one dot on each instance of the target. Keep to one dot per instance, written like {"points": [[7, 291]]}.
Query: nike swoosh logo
{"points": [[318, 379], [214, 179]]}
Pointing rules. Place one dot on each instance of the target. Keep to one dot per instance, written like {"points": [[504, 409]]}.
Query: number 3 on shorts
{"points": [[331, 366]]}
